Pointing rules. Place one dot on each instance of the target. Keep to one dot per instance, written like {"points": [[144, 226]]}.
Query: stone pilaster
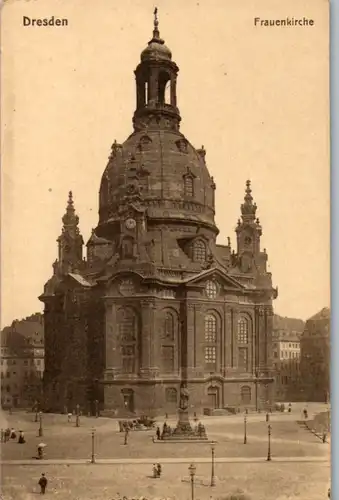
{"points": [[149, 342], [191, 340], [112, 341], [198, 342]]}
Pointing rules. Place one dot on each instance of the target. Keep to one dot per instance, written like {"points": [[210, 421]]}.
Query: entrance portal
{"points": [[128, 396], [213, 394]]}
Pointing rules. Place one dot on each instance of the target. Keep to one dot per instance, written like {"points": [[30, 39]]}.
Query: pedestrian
{"points": [[126, 435], [40, 453], [21, 439], [289, 408], [155, 471], [158, 433], [12, 434], [329, 493], [324, 436], [159, 470], [2, 435], [43, 484], [69, 417]]}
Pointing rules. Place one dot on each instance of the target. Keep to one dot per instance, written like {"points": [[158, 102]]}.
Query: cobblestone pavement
{"points": [[262, 481], [65, 441]]}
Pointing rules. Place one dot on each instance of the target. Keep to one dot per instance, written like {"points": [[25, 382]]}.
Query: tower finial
{"points": [[248, 209], [70, 199], [70, 218], [156, 33]]}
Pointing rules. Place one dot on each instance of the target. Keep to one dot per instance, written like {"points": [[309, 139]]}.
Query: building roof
{"points": [[325, 313]]}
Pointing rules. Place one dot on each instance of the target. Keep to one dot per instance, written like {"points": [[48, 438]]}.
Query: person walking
{"points": [[158, 433], [126, 435], [21, 439], [43, 484]]}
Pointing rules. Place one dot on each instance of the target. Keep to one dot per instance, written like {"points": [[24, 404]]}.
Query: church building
{"points": [[157, 303]]}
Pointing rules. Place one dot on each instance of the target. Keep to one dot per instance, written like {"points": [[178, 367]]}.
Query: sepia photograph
{"points": [[165, 250]]}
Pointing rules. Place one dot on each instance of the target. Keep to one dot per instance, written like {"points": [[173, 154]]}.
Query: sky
{"points": [[255, 97]]}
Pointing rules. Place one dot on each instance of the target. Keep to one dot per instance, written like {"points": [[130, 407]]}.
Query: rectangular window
{"points": [[243, 358], [38, 362], [167, 359], [210, 355], [25, 362]]}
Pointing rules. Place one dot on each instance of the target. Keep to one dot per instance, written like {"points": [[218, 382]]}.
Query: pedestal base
{"points": [[184, 431]]}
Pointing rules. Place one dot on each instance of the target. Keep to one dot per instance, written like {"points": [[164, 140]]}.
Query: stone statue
{"points": [[184, 396]]}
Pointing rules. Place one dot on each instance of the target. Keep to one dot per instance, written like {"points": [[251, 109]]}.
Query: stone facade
{"points": [[315, 354], [22, 362], [158, 302]]}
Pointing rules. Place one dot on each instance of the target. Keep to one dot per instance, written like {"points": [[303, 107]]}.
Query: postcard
{"points": [[165, 326]]}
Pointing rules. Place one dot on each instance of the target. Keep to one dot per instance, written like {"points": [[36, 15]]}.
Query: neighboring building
{"points": [[286, 357], [315, 357], [22, 362], [158, 302]]}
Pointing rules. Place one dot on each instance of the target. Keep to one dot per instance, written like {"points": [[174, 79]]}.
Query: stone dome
{"points": [[168, 175], [156, 50]]}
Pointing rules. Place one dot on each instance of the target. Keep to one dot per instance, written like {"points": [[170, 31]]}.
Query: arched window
{"points": [[199, 251], [169, 343], [164, 85], [242, 337], [245, 395], [169, 327], [242, 331], [210, 342], [146, 94], [188, 186], [171, 395], [211, 289], [128, 335]]}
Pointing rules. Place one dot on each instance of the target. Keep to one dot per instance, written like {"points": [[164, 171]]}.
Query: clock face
{"points": [[130, 223]]}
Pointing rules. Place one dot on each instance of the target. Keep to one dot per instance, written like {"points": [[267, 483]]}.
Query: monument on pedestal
{"points": [[184, 430]]}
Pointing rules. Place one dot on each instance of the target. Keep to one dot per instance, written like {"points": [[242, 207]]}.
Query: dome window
{"points": [[199, 251], [188, 186]]}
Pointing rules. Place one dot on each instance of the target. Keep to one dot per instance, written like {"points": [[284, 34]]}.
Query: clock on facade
{"points": [[130, 223]]}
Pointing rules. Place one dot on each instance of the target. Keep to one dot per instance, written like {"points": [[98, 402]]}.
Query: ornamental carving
{"points": [[182, 145]]}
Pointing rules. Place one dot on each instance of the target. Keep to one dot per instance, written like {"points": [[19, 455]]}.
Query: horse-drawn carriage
{"points": [[138, 424]]}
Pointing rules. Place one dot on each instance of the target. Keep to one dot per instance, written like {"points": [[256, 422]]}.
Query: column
{"points": [[153, 87]]}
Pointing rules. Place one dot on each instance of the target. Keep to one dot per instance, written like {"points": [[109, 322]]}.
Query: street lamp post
{"points": [[245, 429], [40, 424], [93, 455], [96, 408], [192, 469], [212, 469], [77, 418], [269, 428], [36, 411]]}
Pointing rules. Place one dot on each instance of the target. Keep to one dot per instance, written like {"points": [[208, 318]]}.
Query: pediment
{"points": [[215, 274]]}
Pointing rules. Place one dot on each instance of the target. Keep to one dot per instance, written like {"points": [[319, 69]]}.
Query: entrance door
{"points": [[213, 397], [128, 396]]}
